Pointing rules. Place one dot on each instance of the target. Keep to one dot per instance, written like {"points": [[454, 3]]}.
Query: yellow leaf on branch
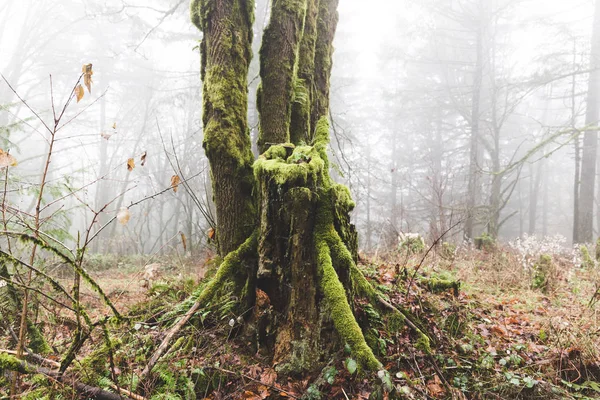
{"points": [[175, 181], [123, 215], [87, 76], [183, 241], [6, 160], [130, 164], [79, 92]]}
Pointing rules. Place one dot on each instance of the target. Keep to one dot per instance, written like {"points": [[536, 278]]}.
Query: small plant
{"points": [[543, 272], [448, 251], [485, 242], [586, 259], [411, 243]]}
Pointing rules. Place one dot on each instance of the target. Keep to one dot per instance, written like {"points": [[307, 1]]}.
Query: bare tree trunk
{"points": [[590, 140], [474, 188]]}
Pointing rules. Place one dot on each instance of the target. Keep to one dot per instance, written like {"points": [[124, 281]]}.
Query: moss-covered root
{"points": [[230, 268], [363, 287], [341, 313]]}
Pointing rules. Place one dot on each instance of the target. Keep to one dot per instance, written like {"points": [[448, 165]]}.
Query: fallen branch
{"points": [[92, 391]]}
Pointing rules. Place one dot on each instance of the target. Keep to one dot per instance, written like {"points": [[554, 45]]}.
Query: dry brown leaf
{"points": [[6, 160], [79, 92], [211, 233], [123, 215], [105, 135], [435, 387], [268, 377], [183, 241], [87, 76], [498, 330], [130, 164], [175, 181], [143, 158], [114, 125]]}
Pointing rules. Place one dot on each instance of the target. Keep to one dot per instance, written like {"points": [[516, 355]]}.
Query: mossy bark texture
{"points": [[305, 245], [278, 63], [226, 53]]}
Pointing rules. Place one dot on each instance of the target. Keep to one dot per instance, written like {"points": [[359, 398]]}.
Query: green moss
{"points": [[543, 271], [341, 313], [586, 259], [395, 322], [411, 244], [437, 285], [300, 358], [37, 343], [11, 363], [279, 151], [302, 165], [485, 242], [423, 343]]}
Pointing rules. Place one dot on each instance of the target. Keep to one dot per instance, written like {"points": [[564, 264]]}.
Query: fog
{"points": [[444, 114]]}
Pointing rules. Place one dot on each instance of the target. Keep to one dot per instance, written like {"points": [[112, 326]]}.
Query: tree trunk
{"points": [[300, 277], [474, 178], [278, 55], [226, 52], [590, 139]]}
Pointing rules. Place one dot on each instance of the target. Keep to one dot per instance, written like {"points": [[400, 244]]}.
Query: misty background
{"points": [[444, 114]]}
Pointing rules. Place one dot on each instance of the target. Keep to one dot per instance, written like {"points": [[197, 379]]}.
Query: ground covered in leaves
{"points": [[505, 322]]}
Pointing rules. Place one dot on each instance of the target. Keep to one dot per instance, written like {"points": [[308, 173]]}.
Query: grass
{"points": [[497, 338]]}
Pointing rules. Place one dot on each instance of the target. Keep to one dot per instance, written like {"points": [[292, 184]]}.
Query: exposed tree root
{"points": [[364, 288]]}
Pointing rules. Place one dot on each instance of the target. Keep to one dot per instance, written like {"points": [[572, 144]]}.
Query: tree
{"points": [[282, 223], [585, 212]]}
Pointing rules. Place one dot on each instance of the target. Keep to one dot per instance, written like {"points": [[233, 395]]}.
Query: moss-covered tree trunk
{"points": [[226, 53], [303, 267]]}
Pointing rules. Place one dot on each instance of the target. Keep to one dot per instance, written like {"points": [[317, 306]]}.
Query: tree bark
{"points": [[278, 55], [474, 189], [226, 52], [590, 139]]}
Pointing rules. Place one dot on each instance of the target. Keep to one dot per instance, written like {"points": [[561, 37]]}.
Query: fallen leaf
{"points": [[79, 92], [130, 164], [268, 377], [498, 330], [143, 158], [123, 215], [6, 160], [254, 371], [175, 182]]}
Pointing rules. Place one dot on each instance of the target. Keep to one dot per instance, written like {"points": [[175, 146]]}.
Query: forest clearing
{"points": [[299, 199]]}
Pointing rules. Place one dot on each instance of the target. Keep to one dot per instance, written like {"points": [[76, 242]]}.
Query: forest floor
{"points": [[514, 327]]}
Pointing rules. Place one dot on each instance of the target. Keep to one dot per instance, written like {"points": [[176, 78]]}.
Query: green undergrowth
{"points": [[484, 340]]}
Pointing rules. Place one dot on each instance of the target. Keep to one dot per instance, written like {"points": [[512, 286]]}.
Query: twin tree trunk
{"points": [[300, 273]]}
